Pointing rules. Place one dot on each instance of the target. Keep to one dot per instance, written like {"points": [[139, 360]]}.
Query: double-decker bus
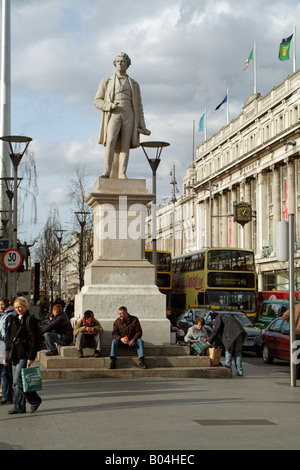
{"points": [[214, 277], [164, 272]]}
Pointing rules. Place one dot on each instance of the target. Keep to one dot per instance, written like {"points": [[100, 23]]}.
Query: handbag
{"points": [[200, 346], [31, 379], [215, 355]]}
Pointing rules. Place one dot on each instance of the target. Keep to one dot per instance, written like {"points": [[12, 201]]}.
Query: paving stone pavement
{"points": [[181, 416]]}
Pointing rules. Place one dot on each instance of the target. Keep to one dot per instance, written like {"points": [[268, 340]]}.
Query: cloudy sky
{"points": [[185, 55]]}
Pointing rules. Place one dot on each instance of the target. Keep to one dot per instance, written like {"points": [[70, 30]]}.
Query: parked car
{"points": [[275, 341], [189, 317], [271, 309]]}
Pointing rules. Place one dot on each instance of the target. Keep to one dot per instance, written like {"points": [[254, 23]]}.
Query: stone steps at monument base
{"points": [[135, 372], [165, 361], [123, 362], [150, 350]]}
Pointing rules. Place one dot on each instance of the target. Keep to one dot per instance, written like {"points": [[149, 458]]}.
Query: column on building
{"points": [[224, 219], [234, 227], [215, 221], [248, 226], [291, 185], [276, 201], [261, 212], [207, 221]]}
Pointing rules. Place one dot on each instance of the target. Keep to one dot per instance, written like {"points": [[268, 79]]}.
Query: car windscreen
{"points": [[244, 320]]}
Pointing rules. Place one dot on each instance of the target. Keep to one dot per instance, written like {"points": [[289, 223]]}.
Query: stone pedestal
{"points": [[119, 274]]}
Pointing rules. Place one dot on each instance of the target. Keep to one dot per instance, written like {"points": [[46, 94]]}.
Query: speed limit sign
{"points": [[12, 259]]}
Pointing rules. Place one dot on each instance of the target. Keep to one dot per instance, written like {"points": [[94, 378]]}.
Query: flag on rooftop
{"points": [[222, 102], [284, 48], [248, 60], [201, 123]]}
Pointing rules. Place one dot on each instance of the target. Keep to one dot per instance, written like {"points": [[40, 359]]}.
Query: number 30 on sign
{"points": [[12, 259]]}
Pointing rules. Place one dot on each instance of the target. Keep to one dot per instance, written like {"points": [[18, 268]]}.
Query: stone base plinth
{"points": [[145, 302], [120, 275]]}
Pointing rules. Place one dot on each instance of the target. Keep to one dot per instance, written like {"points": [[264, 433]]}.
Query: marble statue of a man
{"points": [[119, 99]]}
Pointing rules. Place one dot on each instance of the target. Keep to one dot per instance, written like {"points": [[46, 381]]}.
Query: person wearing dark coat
{"points": [[21, 350], [233, 335], [59, 330], [127, 332]]}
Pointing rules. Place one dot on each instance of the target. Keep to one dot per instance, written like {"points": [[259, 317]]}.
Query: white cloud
{"points": [[185, 54], [57, 196]]}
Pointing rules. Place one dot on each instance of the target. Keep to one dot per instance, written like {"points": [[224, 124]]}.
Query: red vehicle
{"points": [[275, 341], [273, 295]]}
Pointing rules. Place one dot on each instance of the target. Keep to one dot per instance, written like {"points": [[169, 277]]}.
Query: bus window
{"points": [[163, 262], [243, 261]]}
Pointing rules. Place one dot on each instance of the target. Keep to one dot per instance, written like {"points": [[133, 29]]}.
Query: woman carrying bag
{"points": [[21, 350]]}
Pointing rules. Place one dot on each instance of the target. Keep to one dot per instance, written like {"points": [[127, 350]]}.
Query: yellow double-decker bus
{"points": [[214, 277], [164, 272]]}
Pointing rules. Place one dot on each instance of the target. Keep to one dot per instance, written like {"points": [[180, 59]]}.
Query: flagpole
{"points": [[205, 124], [294, 50], [227, 105], [254, 68], [5, 101], [193, 140]]}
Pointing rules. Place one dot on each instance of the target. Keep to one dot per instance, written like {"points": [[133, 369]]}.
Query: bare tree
{"points": [[83, 218], [47, 251], [29, 186]]}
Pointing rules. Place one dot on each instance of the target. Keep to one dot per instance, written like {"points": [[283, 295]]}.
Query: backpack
{"points": [[40, 340]]}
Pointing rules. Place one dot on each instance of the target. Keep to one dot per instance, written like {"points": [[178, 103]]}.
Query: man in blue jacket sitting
{"points": [[59, 330]]}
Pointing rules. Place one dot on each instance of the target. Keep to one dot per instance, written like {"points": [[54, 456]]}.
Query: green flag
{"points": [[284, 48], [248, 60]]}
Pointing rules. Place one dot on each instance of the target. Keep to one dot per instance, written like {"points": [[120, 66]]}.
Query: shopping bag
{"points": [[200, 346], [31, 379], [215, 355]]}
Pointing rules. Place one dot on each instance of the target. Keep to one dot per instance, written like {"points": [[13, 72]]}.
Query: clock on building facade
{"points": [[242, 213]]}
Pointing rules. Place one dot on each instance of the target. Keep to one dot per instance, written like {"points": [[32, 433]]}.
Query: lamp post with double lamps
{"points": [[21, 143], [59, 235], [81, 217], [154, 162]]}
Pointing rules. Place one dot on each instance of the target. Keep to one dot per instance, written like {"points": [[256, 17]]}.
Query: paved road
{"points": [[258, 411]]}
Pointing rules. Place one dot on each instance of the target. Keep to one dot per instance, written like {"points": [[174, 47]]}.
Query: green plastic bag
{"points": [[31, 379], [200, 346]]}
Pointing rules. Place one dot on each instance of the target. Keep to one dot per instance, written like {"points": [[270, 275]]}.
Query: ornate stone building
{"points": [[254, 159]]}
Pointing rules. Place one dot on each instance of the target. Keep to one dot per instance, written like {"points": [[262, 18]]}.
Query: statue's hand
{"points": [[143, 131], [114, 106]]}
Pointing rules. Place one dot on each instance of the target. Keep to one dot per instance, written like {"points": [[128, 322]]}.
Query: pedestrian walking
{"points": [[21, 350]]}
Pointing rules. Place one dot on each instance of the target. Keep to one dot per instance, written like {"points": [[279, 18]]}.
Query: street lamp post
{"points": [[81, 217], [154, 162], [10, 196], [16, 158], [59, 235]]}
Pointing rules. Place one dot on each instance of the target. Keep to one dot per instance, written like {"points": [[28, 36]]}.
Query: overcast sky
{"points": [[185, 55]]}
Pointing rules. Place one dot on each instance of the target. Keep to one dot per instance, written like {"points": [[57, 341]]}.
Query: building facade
{"points": [[253, 160]]}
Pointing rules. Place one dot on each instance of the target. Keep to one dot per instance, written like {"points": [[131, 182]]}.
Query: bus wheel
{"points": [[266, 355]]}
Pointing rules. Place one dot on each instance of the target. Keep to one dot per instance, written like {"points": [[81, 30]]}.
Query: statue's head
{"points": [[125, 57]]}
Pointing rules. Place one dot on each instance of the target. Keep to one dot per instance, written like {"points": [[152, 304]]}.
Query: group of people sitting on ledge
{"points": [[127, 332]]}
